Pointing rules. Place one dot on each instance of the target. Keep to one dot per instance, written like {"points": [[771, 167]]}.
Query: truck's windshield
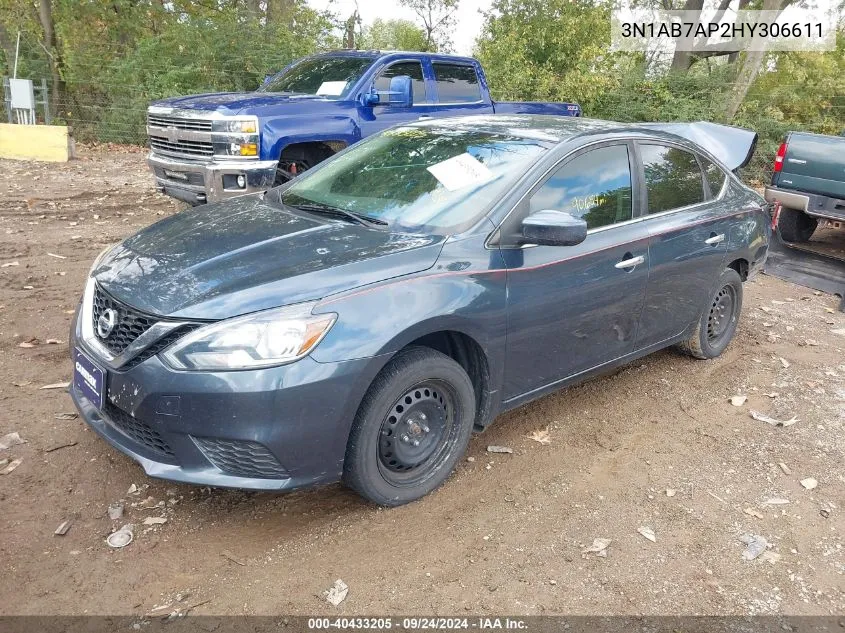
{"points": [[433, 180], [330, 77]]}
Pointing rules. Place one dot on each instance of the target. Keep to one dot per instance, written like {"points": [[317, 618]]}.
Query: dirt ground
{"points": [[657, 444]]}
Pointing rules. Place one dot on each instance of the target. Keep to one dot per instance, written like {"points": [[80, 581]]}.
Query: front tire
{"points": [[411, 428], [796, 226], [717, 325]]}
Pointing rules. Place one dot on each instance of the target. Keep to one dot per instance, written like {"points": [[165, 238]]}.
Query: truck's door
{"points": [[383, 115]]}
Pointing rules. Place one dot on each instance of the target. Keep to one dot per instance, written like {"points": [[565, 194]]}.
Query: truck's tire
{"points": [[411, 428], [795, 225], [718, 322]]}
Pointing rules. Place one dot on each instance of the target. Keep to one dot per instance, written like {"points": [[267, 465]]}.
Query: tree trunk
{"points": [[682, 60], [279, 11], [57, 87], [749, 69]]}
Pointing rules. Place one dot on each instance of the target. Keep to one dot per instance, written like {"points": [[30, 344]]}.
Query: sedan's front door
{"points": [[688, 226], [572, 308]]}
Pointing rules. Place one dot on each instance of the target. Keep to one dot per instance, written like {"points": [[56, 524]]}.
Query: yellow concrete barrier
{"points": [[35, 142]]}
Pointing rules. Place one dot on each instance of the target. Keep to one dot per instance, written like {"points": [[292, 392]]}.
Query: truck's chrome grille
{"points": [[181, 147], [180, 123]]}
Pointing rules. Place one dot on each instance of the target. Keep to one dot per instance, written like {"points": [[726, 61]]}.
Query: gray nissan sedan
{"points": [[359, 322]]}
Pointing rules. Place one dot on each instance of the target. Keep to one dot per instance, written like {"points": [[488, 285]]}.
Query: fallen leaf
{"points": [[670, 492], [809, 483], [29, 343], [541, 436], [499, 449], [785, 363], [773, 394], [337, 593], [599, 546], [53, 341], [755, 545], [738, 401], [56, 385], [786, 470], [65, 416], [8, 264], [648, 533], [12, 465], [155, 521], [776, 501], [762, 417], [9, 440], [753, 513]]}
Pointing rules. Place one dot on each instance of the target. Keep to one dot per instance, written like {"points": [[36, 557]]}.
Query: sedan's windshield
{"points": [[420, 178], [331, 77]]}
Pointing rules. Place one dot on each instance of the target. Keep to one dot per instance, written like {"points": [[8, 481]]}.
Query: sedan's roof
{"points": [[733, 146], [544, 127]]}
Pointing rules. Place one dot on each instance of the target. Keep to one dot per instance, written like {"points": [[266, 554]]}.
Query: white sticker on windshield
{"points": [[460, 171], [331, 88]]}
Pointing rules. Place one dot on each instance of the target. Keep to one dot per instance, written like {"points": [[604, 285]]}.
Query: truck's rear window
{"points": [[330, 77]]}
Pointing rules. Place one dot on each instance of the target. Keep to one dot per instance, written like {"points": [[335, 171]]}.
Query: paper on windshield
{"points": [[460, 171], [331, 88]]}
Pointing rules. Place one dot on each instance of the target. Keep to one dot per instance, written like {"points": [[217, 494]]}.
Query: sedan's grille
{"points": [[241, 458], [159, 346], [181, 147], [165, 121], [129, 324], [139, 431]]}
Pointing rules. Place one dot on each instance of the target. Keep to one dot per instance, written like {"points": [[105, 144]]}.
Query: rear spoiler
{"points": [[734, 146]]}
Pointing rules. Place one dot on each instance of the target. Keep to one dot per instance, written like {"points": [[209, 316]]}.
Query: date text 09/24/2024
{"points": [[419, 623]]}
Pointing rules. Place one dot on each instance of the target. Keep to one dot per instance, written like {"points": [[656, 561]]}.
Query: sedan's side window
{"points": [[672, 177], [595, 186], [412, 69], [714, 175]]}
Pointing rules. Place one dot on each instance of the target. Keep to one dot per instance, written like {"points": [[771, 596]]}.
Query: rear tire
{"points": [[795, 225], [411, 428], [717, 325]]}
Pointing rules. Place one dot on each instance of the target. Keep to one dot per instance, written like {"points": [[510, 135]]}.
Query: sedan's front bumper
{"points": [[198, 182], [270, 429]]}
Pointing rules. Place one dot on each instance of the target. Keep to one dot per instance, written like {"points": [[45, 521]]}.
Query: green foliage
{"points": [[399, 35], [119, 56]]}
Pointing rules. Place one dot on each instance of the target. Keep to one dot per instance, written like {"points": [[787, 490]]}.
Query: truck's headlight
{"points": [[235, 137], [263, 339]]}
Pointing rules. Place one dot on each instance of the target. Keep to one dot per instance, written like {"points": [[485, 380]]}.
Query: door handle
{"points": [[715, 239], [630, 263]]}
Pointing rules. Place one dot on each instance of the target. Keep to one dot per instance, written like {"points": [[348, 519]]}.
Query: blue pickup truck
{"points": [[214, 146]]}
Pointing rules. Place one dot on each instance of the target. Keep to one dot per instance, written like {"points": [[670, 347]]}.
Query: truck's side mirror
{"points": [[401, 91]]}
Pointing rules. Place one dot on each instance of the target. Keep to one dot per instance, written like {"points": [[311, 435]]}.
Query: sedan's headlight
{"points": [[262, 339], [100, 257]]}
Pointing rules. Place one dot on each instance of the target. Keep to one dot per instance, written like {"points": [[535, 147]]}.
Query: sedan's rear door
{"points": [[688, 220]]}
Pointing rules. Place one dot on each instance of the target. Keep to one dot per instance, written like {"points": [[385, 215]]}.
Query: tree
{"points": [[438, 20], [401, 35]]}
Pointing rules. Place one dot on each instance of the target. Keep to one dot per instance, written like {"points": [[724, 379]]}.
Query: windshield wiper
{"points": [[360, 218]]}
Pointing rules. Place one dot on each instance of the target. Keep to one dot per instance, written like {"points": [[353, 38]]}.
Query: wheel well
{"points": [[740, 266], [316, 150], [470, 355]]}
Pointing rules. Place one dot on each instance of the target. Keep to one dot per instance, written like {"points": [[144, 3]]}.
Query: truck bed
{"points": [[814, 164], [536, 107]]}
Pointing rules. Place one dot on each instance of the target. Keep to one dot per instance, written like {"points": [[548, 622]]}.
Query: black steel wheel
{"points": [[714, 331], [412, 427]]}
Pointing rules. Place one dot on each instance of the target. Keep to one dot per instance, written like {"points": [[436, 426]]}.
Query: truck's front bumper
{"points": [[198, 182], [810, 203]]}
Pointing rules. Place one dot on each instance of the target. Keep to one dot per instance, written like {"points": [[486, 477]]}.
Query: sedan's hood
{"points": [[244, 255], [231, 103]]}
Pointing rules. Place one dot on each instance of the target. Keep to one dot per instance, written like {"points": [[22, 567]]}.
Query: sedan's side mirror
{"points": [[554, 228]]}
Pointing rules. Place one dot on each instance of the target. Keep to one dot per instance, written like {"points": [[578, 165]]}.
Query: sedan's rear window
{"points": [[422, 178], [672, 178]]}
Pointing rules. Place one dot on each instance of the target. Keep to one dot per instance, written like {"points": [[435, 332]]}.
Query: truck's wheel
{"points": [[717, 325], [411, 429], [795, 225], [296, 160]]}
